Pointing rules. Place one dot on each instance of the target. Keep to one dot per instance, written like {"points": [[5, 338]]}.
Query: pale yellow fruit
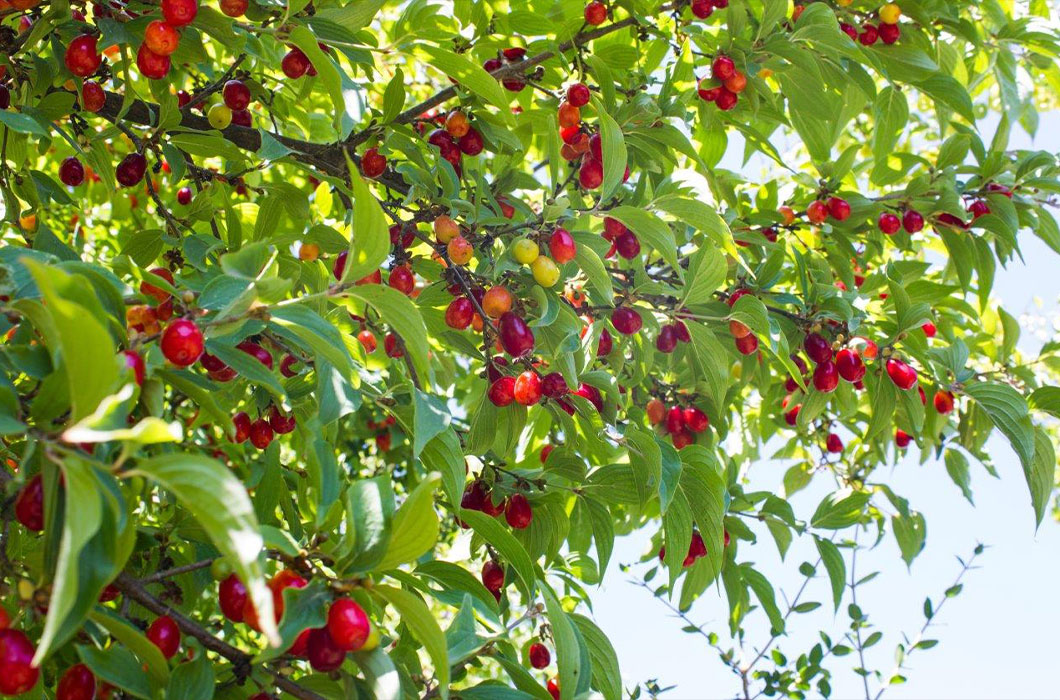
{"points": [[525, 251], [546, 272]]}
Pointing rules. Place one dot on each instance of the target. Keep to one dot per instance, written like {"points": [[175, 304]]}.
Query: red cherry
{"points": [[256, 351], [978, 208], [902, 438], [913, 221], [135, 362], [706, 88], [817, 348], [236, 95], [179, 12], [903, 376], [82, 57], [492, 576], [373, 163], [516, 337], [71, 172], [527, 389], [518, 513], [182, 342], [287, 366], [17, 675], [792, 416], [826, 377], [747, 345], [929, 329], [232, 596], [578, 95], [626, 320], [392, 347], [165, 635], [890, 33], [613, 228], [474, 496], [471, 143], [561, 245], [539, 655], [592, 395], [666, 341], [681, 331], [161, 38], [869, 34], [817, 212], [299, 648], [628, 245], [241, 422], [29, 505], [726, 99], [502, 391], [157, 293], [849, 29], [150, 64], [545, 452], [595, 13], [323, 653], [348, 624], [218, 370], [889, 223], [596, 147], [77, 683], [402, 279], [294, 64], [603, 348], [92, 96], [554, 386], [459, 313], [702, 8], [553, 688], [261, 433], [368, 341], [591, 174], [838, 208], [722, 68], [184, 196], [682, 439], [943, 401], [849, 364], [280, 423], [695, 419], [834, 443], [675, 419], [131, 169]]}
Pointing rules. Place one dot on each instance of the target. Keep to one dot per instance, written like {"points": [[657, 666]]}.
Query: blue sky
{"points": [[991, 637]]}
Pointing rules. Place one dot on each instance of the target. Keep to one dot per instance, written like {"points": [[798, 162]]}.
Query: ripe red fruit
{"points": [[695, 419], [179, 12], [391, 346], [722, 68], [294, 63], [903, 376], [702, 8], [474, 496], [81, 57], [681, 331], [817, 212], [626, 320], [323, 653], [929, 329], [578, 95], [516, 337], [135, 362], [849, 30], [459, 313], [471, 143], [913, 221], [682, 439], [157, 293], [502, 391], [256, 351], [817, 347], [71, 172], [367, 341], [826, 377], [890, 33], [29, 505], [726, 99], [675, 419], [834, 443], [348, 624], [527, 389], [184, 196], [850, 366], [150, 64], [707, 89], [554, 386], [280, 423], [261, 433], [216, 369], [92, 96], [77, 683], [402, 279], [232, 596], [165, 635], [869, 35], [792, 416], [182, 342], [539, 655], [241, 422], [596, 149], [889, 223], [17, 676], [236, 95], [627, 244], [902, 438], [839, 208], [561, 245], [492, 576], [518, 513], [553, 688], [131, 169], [161, 38], [604, 346], [591, 174], [978, 208], [234, 8], [595, 13], [666, 341], [373, 163], [747, 345], [943, 401], [592, 395]]}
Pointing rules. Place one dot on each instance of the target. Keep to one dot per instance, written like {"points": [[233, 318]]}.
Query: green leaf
{"points": [[220, 503], [650, 229], [471, 76], [315, 332], [370, 242], [369, 512], [327, 71], [510, 549], [117, 666], [607, 676], [420, 621], [415, 526], [402, 315], [957, 468], [836, 567], [572, 673], [706, 274], [192, 680], [840, 509], [1008, 411], [150, 657], [394, 96], [1040, 473], [612, 150], [910, 531]]}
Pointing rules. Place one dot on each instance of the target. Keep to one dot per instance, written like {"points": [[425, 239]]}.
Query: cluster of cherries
{"points": [[886, 31], [696, 548], [478, 496], [724, 85], [455, 139], [681, 423]]}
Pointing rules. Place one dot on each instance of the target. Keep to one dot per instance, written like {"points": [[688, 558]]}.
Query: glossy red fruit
{"points": [[627, 244], [459, 313], [516, 337], [157, 293], [595, 13], [591, 174], [257, 352], [17, 676], [681, 331], [323, 653], [889, 223], [890, 33], [726, 99], [287, 366], [675, 419], [869, 34], [592, 395], [707, 87], [561, 246], [913, 221], [666, 341], [539, 655], [179, 12], [348, 624], [502, 391], [849, 29], [682, 438], [261, 433], [92, 96], [929, 329], [492, 576], [474, 496], [182, 342], [165, 635], [626, 320], [232, 596], [71, 172], [826, 377], [903, 376], [817, 212], [518, 513], [236, 95], [702, 8], [235, 8], [834, 443], [605, 344], [392, 347], [471, 143], [722, 68], [553, 688], [402, 279], [978, 208], [554, 386], [902, 438], [850, 366], [135, 362], [184, 196], [747, 345], [81, 57], [367, 341], [817, 348], [131, 169], [294, 63], [838, 208], [218, 370], [150, 64], [943, 401], [29, 505], [578, 95], [161, 38], [280, 423], [695, 419], [241, 423], [527, 389], [373, 163], [76, 683], [791, 417]]}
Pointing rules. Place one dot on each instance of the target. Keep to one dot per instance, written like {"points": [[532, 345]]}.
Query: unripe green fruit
{"points": [[525, 251], [219, 116]]}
